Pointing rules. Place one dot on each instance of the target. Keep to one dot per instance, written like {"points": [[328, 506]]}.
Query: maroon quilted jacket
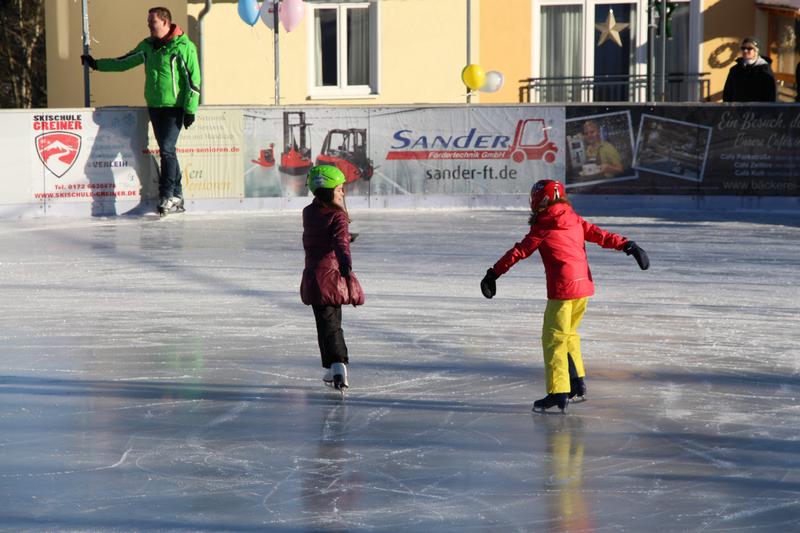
{"points": [[326, 240]]}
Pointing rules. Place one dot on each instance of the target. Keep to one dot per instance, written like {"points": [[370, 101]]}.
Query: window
{"points": [[571, 64], [562, 51], [343, 50]]}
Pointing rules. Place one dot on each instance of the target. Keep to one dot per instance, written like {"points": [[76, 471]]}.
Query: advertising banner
{"points": [[470, 150], [21, 180], [404, 151], [280, 145], [210, 155], [684, 150], [90, 156]]}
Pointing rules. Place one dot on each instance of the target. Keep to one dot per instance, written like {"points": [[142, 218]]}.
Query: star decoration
{"points": [[610, 29]]}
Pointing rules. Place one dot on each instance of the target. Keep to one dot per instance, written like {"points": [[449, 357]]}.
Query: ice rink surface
{"points": [[162, 375]]}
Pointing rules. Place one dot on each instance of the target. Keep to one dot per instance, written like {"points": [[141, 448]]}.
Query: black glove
{"points": [[631, 248], [188, 120], [488, 285], [344, 270], [89, 60]]}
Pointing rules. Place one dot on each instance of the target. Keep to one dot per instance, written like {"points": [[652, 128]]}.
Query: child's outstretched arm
{"points": [[607, 239], [518, 252]]}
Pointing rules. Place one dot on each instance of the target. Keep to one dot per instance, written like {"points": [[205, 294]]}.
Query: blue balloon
{"points": [[248, 11]]}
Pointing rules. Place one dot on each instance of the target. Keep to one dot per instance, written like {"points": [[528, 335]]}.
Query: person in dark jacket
{"points": [[559, 234], [171, 90], [328, 280], [751, 78]]}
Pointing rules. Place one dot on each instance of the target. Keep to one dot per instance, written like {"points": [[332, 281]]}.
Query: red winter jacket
{"points": [[559, 235], [326, 239]]}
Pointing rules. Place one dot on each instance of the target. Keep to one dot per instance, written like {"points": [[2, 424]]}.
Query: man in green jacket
{"points": [[171, 90]]}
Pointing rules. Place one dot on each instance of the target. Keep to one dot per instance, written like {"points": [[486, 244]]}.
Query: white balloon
{"points": [[493, 83], [267, 15]]}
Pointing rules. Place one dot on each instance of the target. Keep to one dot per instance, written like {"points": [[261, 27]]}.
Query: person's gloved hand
{"points": [[89, 60], [188, 120], [631, 248], [488, 285], [344, 270]]}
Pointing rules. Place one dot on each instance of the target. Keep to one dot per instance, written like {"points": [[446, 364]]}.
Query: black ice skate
{"points": [[560, 400], [339, 371], [577, 387], [577, 390]]}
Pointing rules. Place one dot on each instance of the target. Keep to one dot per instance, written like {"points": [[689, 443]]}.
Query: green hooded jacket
{"points": [[172, 73]]}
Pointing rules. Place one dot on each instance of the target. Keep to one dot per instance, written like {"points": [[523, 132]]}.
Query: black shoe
{"points": [[559, 400], [577, 387]]}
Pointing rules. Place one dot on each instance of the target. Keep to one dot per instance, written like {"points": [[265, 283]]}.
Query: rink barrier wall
{"points": [[104, 162]]}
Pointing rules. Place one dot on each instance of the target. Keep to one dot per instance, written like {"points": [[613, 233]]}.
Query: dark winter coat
{"points": [[326, 240], [753, 83], [559, 235]]}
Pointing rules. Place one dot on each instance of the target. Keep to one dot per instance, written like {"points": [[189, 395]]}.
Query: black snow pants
{"points": [[330, 335]]}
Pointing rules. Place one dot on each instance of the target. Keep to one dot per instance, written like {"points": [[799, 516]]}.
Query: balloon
{"points": [[248, 11], [267, 15], [473, 76], [291, 13], [493, 83]]}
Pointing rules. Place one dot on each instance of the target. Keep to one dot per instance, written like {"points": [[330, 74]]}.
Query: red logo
{"points": [[58, 150]]}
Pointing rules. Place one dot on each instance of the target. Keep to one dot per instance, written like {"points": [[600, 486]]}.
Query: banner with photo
{"points": [[404, 151], [687, 150], [280, 145]]}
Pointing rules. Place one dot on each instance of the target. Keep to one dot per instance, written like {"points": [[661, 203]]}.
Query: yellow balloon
{"points": [[473, 76]]}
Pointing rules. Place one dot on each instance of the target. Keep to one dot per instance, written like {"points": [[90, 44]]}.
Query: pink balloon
{"points": [[291, 13]]}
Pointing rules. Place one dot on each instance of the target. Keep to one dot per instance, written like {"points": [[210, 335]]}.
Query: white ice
{"points": [[162, 375]]}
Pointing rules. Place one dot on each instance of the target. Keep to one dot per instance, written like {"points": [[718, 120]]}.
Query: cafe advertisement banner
{"points": [[684, 150]]}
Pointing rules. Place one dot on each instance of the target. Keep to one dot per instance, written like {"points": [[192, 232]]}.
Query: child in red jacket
{"points": [[559, 234], [328, 281]]}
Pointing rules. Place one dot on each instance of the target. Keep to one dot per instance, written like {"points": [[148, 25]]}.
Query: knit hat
{"points": [[752, 41]]}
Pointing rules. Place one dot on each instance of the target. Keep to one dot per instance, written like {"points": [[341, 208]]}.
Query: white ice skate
{"points": [[328, 378], [339, 371]]}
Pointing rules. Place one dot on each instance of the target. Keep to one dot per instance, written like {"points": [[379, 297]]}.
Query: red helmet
{"points": [[545, 192]]}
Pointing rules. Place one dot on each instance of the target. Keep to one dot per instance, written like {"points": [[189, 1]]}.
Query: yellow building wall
{"points": [[423, 50], [421, 53], [115, 27], [506, 45], [725, 24]]}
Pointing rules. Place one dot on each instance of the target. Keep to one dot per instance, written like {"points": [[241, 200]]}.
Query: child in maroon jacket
{"points": [[559, 234], [328, 281]]}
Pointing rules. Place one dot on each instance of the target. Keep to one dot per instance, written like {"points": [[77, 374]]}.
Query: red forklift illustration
{"points": [[266, 157], [296, 156], [532, 142], [347, 150]]}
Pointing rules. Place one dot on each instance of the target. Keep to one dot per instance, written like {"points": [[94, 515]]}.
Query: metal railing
{"points": [[683, 87]]}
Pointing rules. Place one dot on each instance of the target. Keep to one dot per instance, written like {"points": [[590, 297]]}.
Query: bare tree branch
{"points": [[22, 53]]}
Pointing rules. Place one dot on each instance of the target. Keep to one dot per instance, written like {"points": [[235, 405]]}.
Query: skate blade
{"points": [[542, 411], [578, 399]]}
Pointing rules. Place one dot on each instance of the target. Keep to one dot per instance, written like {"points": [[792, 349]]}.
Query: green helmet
{"points": [[324, 177]]}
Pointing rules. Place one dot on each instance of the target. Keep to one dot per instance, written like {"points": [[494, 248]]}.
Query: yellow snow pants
{"points": [[559, 338]]}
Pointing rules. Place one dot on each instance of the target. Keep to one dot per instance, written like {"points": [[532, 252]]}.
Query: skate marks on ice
{"points": [[120, 411]]}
